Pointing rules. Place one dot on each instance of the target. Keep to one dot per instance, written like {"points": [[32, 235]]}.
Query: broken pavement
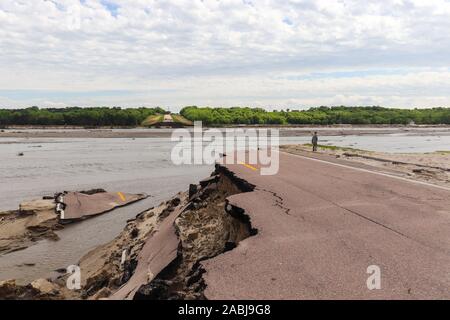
{"points": [[39, 219]]}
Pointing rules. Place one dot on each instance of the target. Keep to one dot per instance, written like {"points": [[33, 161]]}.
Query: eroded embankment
{"points": [[35, 220], [208, 227], [199, 224]]}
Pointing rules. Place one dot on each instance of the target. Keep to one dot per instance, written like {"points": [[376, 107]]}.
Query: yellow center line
{"points": [[121, 196], [248, 166]]}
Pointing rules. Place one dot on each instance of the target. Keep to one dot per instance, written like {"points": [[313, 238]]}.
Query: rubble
{"points": [[205, 230], [159, 253]]}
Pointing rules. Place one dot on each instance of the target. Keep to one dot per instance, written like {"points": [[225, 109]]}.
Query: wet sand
{"points": [[35, 220], [342, 130]]}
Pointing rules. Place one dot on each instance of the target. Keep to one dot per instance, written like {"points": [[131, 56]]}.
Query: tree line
{"points": [[75, 116], [317, 116], [102, 116]]}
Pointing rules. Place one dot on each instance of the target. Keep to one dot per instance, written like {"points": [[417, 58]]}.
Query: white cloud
{"points": [[265, 52]]}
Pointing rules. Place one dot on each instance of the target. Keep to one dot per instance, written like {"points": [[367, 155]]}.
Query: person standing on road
{"points": [[315, 141]]}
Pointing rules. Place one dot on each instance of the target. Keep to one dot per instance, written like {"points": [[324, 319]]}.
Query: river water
{"points": [[142, 165]]}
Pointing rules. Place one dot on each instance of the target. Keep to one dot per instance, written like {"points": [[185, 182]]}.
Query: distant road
{"points": [[322, 224], [168, 118]]}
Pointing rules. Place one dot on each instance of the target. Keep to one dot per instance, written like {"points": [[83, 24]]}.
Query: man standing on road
{"points": [[315, 141]]}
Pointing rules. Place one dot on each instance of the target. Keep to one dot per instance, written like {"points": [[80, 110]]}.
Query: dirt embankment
{"points": [[431, 167], [204, 226], [35, 220], [209, 227]]}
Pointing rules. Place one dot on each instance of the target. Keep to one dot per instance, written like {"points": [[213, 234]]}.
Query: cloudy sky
{"points": [[269, 53]]}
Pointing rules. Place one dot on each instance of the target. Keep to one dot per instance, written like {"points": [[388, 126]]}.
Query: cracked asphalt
{"points": [[321, 225]]}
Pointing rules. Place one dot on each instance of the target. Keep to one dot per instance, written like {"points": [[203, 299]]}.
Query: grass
{"points": [[152, 120], [180, 119]]}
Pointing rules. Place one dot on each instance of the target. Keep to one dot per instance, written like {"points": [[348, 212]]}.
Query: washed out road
{"points": [[321, 225]]}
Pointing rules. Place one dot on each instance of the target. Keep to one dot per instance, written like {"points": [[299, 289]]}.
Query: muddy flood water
{"points": [[141, 165]]}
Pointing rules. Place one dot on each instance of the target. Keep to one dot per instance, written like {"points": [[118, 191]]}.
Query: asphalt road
{"points": [[168, 118], [321, 225]]}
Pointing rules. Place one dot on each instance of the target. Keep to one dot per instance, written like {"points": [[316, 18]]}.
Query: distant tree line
{"points": [[317, 116], [102, 116], [88, 117]]}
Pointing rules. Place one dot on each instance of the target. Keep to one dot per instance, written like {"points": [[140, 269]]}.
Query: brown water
{"points": [[52, 165]]}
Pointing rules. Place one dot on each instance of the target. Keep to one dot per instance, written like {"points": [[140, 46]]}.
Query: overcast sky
{"points": [[267, 53]]}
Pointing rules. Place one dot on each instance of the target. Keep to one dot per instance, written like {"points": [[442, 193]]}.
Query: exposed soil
{"points": [[207, 227], [33, 221]]}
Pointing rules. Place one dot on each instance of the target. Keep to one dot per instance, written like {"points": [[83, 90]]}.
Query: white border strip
{"points": [[369, 171]]}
